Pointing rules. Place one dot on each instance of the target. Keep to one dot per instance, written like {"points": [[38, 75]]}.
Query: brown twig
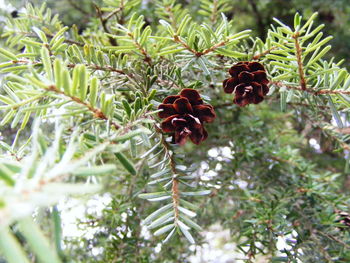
{"points": [[175, 181], [171, 17], [143, 51], [264, 53], [104, 68], [298, 54], [116, 11], [311, 90], [177, 39], [104, 25], [96, 112], [213, 16]]}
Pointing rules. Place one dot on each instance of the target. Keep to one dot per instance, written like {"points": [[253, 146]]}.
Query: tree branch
{"points": [[298, 54], [264, 53], [104, 25], [311, 90], [175, 181], [177, 39], [96, 112]]}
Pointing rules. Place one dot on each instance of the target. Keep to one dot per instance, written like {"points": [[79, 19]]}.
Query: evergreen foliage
{"points": [[79, 117]]}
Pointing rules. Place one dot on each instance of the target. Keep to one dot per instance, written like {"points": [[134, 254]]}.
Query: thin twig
{"points": [[96, 112], [298, 54], [171, 17], [264, 53], [110, 15], [335, 239], [213, 16], [104, 25], [175, 181], [311, 90], [177, 39], [143, 51]]}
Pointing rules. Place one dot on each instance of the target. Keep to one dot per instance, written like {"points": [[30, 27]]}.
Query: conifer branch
{"points": [[298, 53], [214, 14], [171, 16], [68, 41], [311, 90], [72, 65], [177, 39], [116, 11], [175, 182], [264, 53], [143, 51], [104, 25], [97, 113]]}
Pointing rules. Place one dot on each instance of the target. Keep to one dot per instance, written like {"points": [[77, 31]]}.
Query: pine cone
{"points": [[185, 115], [248, 81]]}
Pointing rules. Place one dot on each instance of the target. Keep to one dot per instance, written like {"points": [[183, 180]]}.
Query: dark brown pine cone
{"points": [[185, 115], [248, 81]]}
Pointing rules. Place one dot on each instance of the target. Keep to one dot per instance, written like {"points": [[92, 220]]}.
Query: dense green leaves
{"points": [[79, 118]]}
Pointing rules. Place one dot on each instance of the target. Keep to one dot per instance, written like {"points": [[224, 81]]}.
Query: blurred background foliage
{"points": [[254, 14]]}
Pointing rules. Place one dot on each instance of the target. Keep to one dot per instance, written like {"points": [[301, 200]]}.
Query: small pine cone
{"points": [[248, 81], [185, 115], [343, 218]]}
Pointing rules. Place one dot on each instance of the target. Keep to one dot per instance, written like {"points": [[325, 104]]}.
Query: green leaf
{"points": [[164, 229], [6, 175], [10, 247], [37, 241], [169, 236], [191, 223], [45, 56], [129, 135], [126, 107], [66, 81], [204, 192], [161, 220], [57, 67], [7, 54], [58, 35], [160, 173], [126, 163], [341, 76], [335, 113], [184, 229], [320, 55], [76, 80], [186, 211], [157, 213], [83, 82], [203, 66], [57, 224], [159, 180], [93, 91], [153, 195]]}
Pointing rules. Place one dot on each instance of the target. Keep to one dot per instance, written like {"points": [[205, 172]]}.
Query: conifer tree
{"points": [[181, 120]]}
